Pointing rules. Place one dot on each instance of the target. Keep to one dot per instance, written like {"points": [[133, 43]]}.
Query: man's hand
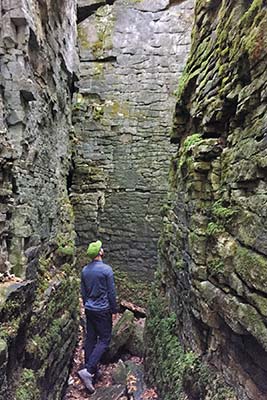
{"points": [[115, 317]]}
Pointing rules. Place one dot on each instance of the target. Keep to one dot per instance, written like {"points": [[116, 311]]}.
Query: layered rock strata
{"points": [[132, 53], [38, 307], [213, 245]]}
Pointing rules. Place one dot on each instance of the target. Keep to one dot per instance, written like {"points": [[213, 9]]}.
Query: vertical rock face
{"points": [[36, 74], [213, 245], [38, 319], [132, 53]]}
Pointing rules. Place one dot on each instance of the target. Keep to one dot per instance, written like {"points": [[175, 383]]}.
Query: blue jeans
{"points": [[98, 337]]}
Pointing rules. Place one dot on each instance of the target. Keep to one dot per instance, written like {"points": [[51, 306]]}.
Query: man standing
{"points": [[99, 299]]}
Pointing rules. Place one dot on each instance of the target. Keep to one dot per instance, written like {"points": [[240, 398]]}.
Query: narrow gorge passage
{"points": [[142, 123], [131, 57]]}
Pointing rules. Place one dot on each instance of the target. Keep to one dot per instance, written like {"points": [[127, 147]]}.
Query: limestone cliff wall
{"points": [[37, 308], [132, 53], [213, 246]]}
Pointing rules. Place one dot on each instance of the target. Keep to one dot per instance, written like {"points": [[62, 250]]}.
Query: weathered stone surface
{"points": [[135, 344], [38, 61], [132, 376], [135, 385], [114, 392], [213, 243], [127, 337], [34, 161], [121, 333], [132, 53]]}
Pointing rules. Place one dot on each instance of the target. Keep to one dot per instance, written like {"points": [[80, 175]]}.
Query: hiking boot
{"points": [[87, 379]]}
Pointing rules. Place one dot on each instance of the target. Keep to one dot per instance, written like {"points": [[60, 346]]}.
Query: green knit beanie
{"points": [[94, 249]]}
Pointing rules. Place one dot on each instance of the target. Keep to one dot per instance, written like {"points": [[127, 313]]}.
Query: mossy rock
{"points": [[27, 387], [135, 344], [182, 374], [15, 299], [252, 267], [119, 374], [121, 334]]}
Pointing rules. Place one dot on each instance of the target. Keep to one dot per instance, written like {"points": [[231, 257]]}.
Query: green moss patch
{"points": [[216, 266], [178, 372], [187, 145], [166, 361], [252, 267], [27, 388]]}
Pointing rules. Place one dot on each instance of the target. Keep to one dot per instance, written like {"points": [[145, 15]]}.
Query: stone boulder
{"points": [[121, 334], [127, 337], [135, 344], [114, 392], [130, 374]]}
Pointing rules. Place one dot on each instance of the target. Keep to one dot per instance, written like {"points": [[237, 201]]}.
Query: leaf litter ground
{"points": [[76, 389]]}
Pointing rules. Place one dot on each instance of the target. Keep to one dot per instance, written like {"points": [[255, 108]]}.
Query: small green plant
{"points": [[97, 111], [216, 266], [221, 215], [79, 103], [98, 69], [66, 245], [179, 265], [181, 85], [9, 329], [214, 229], [187, 145], [221, 212], [191, 140]]}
